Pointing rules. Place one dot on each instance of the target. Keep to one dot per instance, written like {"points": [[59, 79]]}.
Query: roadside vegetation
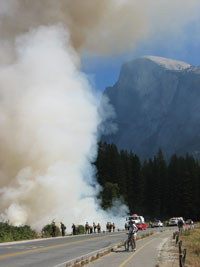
{"points": [[14, 233], [191, 241], [47, 231], [10, 233]]}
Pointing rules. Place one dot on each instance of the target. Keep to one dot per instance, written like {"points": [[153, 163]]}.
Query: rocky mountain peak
{"points": [[156, 101], [168, 63]]}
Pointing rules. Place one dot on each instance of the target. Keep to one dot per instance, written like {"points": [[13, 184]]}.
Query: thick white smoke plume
{"points": [[48, 111], [48, 135]]}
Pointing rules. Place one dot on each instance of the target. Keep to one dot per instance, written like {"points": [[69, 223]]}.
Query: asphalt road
{"points": [[146, 255], [56, 252]]}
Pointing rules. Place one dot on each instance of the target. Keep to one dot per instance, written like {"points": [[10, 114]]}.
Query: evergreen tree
{"points": [[154, 189], [136, 186], [125, 174], [147, 172], [109, 194]]}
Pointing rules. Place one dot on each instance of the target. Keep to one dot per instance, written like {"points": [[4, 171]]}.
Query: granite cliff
{"points": [[157, 105]]}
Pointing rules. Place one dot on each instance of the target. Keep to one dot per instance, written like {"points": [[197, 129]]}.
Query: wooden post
{"points": [[184, 255], [180, 260], [174, 234], [177, 237], [180, 245]]}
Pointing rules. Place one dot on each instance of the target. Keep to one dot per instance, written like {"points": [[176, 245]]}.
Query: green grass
{"points": [[191, 241], [186, 234]]}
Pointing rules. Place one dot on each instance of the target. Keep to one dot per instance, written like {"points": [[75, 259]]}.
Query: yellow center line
{"points": [[138, 250], [54, 246]]}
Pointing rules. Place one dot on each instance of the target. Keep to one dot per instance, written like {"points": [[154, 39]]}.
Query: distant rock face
{"points": [[157, 105]]}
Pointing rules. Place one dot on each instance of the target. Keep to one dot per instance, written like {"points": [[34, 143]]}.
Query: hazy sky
{"points": [[183, 45]]}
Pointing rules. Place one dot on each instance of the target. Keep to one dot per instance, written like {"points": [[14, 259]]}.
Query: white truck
{"points": [[136, 218], [174, 221]]}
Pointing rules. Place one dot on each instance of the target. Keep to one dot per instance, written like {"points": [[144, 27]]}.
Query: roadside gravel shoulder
{"points": [[168, 255]]}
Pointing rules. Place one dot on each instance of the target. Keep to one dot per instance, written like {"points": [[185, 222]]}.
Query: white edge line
{"points": [[83, 256]]}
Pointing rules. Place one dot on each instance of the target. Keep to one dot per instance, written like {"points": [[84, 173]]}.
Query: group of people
{"points": [[95, 228], [54, 228], [89, 229], [110, 227]]}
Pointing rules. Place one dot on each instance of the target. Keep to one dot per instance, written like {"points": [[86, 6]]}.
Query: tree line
{"points": [[155, 188]]}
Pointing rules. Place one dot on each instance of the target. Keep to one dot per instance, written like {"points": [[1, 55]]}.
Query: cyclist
{"points": [[131, 236]]}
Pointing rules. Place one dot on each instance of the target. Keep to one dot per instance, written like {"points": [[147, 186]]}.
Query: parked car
{"points": [[173, 221], [141, 226], [189, 221], [157, 223]]}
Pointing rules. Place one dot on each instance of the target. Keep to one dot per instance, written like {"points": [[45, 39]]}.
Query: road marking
{"points": [[138, 250], [54, 246], [80, 257]]}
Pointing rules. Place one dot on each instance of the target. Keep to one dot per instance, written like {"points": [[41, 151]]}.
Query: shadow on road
{"points": [[119, 251]]}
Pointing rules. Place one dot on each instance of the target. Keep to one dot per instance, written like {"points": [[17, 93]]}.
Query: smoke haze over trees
{"points": [[154, 188]]}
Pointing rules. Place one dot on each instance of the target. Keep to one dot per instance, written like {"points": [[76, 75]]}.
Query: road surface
{"points": [[56, 252], [146, 254]]}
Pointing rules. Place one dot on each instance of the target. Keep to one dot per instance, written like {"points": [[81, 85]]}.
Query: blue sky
{"points": [[103, 71]]}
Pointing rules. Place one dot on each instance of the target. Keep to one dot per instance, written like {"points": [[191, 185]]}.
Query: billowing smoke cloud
{"points": [[48, 135], [105, 26], [48, 111]]}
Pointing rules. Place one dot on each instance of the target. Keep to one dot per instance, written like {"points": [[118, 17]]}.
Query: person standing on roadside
{"points": [[108, 227], [132, 236], [90, 229], [135, 229], [87, 228], [73, 229], [95, 227], [180, 225], [99, 228], [63, 227], [53, 228]]}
